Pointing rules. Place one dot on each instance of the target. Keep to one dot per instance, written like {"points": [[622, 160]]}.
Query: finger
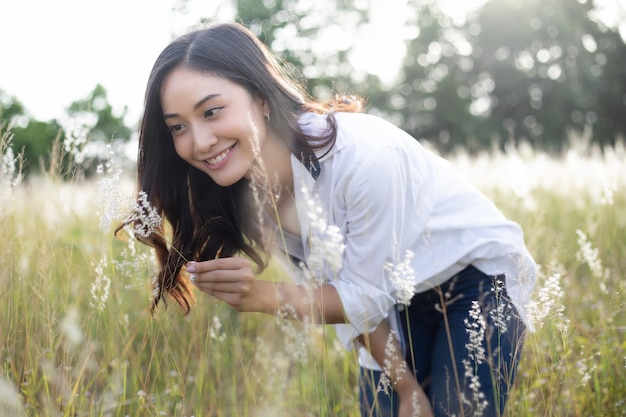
{"points": [[230, 288], [222, 276], [231, 263]]}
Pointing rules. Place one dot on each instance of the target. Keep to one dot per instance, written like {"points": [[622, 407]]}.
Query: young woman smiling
{"points": [[230, 149]]}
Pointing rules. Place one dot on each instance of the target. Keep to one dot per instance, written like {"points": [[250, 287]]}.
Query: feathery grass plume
{"points": [[100, 286], [478, 403], [130, 260], [402, 277], [110, 200], [70, 326], [391, 356], [271, 378], [294, 334], [10, 164], [215, 330], [416, 406], [603, 191], [144, 218], [476, 327], [500, 314], [326, 250], [548, 302], [10, 168], [260, 187], [77, 131], [11, 403], [589, 255], [584, 369]]}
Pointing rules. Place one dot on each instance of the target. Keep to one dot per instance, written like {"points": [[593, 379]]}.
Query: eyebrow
{"points": [[195, 107]]}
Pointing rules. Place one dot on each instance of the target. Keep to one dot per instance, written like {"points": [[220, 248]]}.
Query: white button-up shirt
{"points": [[388, 195]]}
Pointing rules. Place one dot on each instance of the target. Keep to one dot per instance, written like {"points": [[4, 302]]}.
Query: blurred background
{"points": [[526, 98], [473, 75]]}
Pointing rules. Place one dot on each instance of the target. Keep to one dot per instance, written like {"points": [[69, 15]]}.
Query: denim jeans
{"points": [[443, 337]]}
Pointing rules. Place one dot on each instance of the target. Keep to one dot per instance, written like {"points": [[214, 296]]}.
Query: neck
{"points": [[277, 160], [274, 168]]}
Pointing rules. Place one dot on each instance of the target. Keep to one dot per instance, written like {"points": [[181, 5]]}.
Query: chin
{"points": [[223, 181]]}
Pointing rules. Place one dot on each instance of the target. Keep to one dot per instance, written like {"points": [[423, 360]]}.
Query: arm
{"points": [[232, 280]]}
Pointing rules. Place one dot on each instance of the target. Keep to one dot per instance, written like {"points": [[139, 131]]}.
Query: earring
{"points": [[267, 119]]}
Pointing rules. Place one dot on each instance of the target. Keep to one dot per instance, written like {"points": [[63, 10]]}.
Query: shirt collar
{"points": [[312, 124]]}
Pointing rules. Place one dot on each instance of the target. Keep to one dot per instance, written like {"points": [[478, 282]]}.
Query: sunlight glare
{"points": [[458, 9]]}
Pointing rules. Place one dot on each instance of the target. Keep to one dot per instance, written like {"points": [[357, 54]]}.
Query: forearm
{"points": [[320, 304]]}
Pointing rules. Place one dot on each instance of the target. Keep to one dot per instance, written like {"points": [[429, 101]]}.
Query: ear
{"points": [[265, 106]]}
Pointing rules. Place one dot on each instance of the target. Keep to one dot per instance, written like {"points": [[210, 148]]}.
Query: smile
{"points": [[219, 158]]}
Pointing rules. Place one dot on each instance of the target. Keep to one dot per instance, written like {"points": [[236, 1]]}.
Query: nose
{"points": [[203, 138]]}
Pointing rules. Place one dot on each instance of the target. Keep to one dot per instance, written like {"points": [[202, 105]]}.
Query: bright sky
{"points": [[55, 52]]}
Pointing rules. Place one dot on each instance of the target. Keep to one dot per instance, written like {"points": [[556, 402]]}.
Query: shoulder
{"points": [[367, 146], [371, 140], [356, 128], [369, 134]]}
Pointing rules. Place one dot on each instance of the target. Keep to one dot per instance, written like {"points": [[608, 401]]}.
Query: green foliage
{"points": [[553, 69], [48, 146], [37, 140], [33, 138], [293, 30], [533, 71], [104, 125]]}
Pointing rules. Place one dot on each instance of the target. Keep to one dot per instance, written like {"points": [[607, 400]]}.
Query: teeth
{"points": [[218, 158]]}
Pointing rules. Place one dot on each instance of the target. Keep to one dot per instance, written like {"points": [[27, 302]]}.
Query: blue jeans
{"points": [[435, 343]]}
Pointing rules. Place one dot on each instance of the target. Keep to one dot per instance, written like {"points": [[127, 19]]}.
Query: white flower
{"points": [[548, 302], [215, 330], [500, 314], [10, 165], [326, 243], [476, 330], [100, 287], [70, 326], [11, 402], [391, 356], [589, 255], [145, 218], [402, 277], [603, 191], [109, 194]]}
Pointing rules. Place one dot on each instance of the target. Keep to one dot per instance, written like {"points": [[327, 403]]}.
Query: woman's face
{"points": [[217, 126]]}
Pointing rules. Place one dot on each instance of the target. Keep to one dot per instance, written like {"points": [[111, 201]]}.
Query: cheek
{"points": [[181, 148]]}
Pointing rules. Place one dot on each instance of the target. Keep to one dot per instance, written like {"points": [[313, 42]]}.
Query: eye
{"points": [[212, 112], [177, 128]]}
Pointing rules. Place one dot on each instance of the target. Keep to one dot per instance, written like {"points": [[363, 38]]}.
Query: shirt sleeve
{"points": [[387, 207]]}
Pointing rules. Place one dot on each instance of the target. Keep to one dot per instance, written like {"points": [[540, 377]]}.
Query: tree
{"points": [[32, 137], [430, 99], [92, 129], [96, 110], [533, 70], [312, 38]]}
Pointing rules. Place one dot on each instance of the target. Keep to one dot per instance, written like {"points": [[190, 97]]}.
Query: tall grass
{"points": [[76, 337]]}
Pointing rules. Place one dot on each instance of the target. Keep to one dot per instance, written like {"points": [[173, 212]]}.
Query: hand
{"points": [[231, 280]]}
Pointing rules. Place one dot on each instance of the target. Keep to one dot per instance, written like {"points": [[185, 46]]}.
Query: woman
{"points": [[232, 151]]}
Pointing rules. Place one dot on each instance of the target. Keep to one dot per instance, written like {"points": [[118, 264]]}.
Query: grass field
{"points": [[76, 337]]}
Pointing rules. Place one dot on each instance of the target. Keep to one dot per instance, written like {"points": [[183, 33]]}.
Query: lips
{"points": [[217, 160]]}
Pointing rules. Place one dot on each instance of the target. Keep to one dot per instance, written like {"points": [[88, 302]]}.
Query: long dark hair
{"points": [[207, 219]]}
